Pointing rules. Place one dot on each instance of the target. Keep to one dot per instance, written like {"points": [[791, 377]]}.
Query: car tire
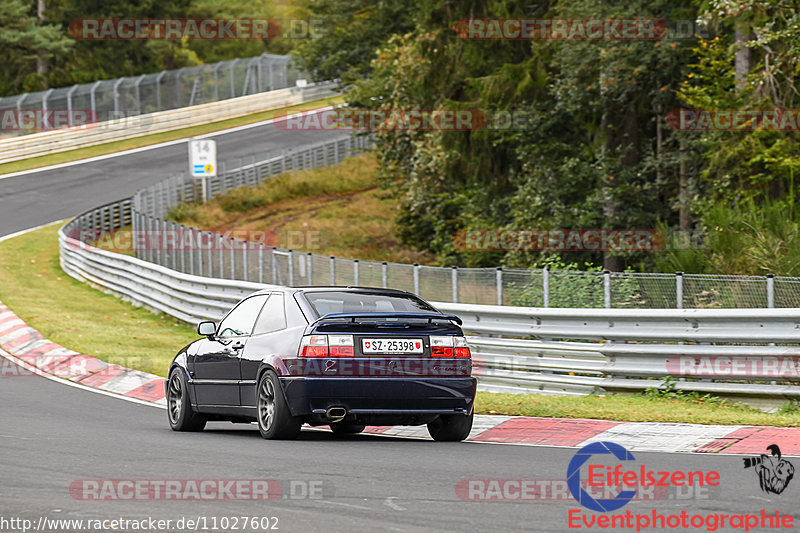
{"points": [[344, 428], [450, 428], [272, 411], [180, 414]]}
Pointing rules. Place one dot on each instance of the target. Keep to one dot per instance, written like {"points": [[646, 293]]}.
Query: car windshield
{"points": [[327, 302]]}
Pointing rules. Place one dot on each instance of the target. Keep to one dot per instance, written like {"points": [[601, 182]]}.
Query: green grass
{"points": [[337, 210], [86, 320], [633, 408], [156, 138], [80, 317]]}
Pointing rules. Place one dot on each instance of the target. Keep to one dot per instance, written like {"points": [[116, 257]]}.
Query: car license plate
{"points": [[391, 346]]}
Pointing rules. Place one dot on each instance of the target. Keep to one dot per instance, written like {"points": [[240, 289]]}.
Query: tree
{"points": [[24, 40]]}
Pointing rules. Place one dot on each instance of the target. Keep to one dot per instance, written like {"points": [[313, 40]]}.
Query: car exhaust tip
{"points": [[336, 414]]}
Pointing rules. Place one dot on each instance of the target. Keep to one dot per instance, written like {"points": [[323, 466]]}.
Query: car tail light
{"points": [[449, 346], [314, 346], [441, 346], [461, 348], [327, 346], [341, 345]]}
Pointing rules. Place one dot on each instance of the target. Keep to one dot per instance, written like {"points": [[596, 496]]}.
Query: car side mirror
{"points": [[206, 328]]}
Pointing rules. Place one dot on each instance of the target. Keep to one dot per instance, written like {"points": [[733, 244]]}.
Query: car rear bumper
{"points": [[380, 396]]}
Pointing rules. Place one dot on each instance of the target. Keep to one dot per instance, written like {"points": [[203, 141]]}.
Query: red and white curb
{"points": [[29, 346], [635, 436], [26, 345]]}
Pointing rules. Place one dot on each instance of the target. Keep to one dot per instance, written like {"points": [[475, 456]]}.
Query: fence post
{"points": [[116, 98], [233, 85], [416, 278], [274, 268], [546, 287], [385, 274], [333, 270], [499, 283], [181, 250], [69, 106], [245, 262], [261, 262], [770, 290], [607, 288], [454, 282], [355, 272], [233, 258], [44, 105], [158, 89], [290, 257], [93, 100], [221, 256], [679, 290], [309, 262], [210, 255]]}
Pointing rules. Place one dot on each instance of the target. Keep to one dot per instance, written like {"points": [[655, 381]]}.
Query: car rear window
{"points": [[327, 302]]}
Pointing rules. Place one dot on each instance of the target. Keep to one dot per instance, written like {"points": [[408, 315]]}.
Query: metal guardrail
{"points": [[161, 91], [521, 349], [726, 352], [49, 142]]}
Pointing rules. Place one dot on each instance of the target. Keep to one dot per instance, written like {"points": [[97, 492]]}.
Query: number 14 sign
{"points": [[203, 158]]}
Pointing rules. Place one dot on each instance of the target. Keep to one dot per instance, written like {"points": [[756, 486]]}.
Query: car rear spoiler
{"points": [[354, 317]]}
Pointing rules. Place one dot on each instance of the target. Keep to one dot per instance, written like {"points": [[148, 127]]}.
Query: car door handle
{"points": [[237, 346]]}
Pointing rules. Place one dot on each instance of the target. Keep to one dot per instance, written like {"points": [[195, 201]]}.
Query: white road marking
{"points": [[390, 503], [51, 377], [23, 232]]}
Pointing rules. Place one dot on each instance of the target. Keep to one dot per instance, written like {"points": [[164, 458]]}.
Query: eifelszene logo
{"points": [[774, 472], [619, 483]]}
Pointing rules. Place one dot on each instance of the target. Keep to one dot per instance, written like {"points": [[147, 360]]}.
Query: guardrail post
{"points": [[499, 284], [770, 290], [291, 268], [546, 287], [679, 290], [355, 272], [607, 288], [385, 274], [333, 270], [454, 282], [416, 278], [309, 262]]}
